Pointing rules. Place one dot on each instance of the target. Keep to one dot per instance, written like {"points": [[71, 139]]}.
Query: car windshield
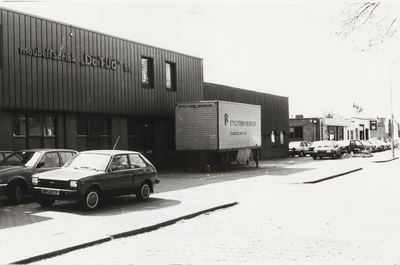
{"points": [[21, 159], [323, 144], [90, 161]]}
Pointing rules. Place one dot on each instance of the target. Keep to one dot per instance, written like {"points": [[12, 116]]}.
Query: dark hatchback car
{"points": [[326, 149], [348, 146], [92, 175], [17, 169]]}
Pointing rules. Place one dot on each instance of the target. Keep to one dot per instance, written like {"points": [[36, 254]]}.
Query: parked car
{"points": [[348, 146], [300, 148], [370, 147], [379, 145], [326, 149], [17, 169], [4, 154], [92, 175]]}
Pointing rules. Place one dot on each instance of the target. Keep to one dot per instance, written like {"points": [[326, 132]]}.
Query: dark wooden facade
{"points": [[52, 66], [62, 86]]}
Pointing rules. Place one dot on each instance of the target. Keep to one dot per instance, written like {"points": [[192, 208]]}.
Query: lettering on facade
{"points": [[48, 54], [103, 62]]}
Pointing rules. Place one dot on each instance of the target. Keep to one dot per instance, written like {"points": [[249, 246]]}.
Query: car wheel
{"points": [[15, 193], [339, 155], [91, 200], [45, 202], [314, 157], [144, 192], [334, 155], [301, 153]]}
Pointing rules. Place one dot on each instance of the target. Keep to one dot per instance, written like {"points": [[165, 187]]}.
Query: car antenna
{"points": [[116, 142]]}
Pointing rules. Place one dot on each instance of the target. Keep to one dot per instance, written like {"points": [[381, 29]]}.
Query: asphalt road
{"points": [[352, 219], [23, 214]]}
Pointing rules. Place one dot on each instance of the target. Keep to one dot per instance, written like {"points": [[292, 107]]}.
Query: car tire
{"points": [[314, 157], [301, 153], [15, 194], [144, 192], [91, 200], [45, 202]]}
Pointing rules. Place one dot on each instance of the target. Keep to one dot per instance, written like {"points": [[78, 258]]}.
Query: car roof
{"points": [[110, 152], [42, 150]]}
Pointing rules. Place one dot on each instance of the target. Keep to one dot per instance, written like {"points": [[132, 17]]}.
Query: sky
{"points": [[285, 48]]}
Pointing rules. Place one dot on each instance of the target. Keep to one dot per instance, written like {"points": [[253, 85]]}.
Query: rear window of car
{"points": [[65, 156], [136, 161]]}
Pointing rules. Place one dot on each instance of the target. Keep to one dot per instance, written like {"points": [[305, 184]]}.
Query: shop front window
{"points": [[33, 131], [93, 133]]}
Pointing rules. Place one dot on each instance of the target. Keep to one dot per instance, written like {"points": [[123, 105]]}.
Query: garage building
{"points": [[63, 86]]}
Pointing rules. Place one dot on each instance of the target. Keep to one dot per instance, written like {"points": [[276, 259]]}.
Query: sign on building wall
{"points": [[373, 125]]}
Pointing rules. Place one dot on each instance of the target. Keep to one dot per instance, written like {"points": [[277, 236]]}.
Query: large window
{"points": [[296, 132], [34, 131], [93, 133], [147, 73], [141, 135], [170, 73]]}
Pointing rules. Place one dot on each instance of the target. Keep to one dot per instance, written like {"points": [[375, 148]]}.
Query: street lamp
{"points": [[391, 108]]}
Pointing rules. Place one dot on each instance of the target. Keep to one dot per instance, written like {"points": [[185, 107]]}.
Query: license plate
{"points": [[51, 192]]}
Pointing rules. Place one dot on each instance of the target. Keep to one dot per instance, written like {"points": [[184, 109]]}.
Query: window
{"points": [[93, 133], [296, 132], [65, 156], [136, 161], [282, 137], [50, 160], [33, 131], [170, 73], [119, 162], [273, 142], [147, 73]]}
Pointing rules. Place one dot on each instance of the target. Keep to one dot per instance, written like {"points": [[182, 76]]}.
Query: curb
{"points": [[121, 235], [384, 161], [332, 177]]}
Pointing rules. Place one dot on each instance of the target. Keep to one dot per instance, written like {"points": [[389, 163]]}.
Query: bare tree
{"points": [[358, 109], [372, 23], [331, 114]]}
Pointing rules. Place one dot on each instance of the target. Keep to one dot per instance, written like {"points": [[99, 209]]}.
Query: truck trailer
{"points": [[218, 126]]}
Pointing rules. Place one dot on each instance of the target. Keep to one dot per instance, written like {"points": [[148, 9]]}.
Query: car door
{"points": [[140, 170], [119, 176]]}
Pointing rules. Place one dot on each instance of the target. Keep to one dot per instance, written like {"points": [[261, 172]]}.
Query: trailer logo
{"points": [[226, 119]]}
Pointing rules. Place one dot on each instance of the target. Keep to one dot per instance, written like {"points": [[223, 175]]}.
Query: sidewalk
{"points": [[64, 232]]}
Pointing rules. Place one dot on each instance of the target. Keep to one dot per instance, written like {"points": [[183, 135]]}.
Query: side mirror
{"points": [[41, 164]]}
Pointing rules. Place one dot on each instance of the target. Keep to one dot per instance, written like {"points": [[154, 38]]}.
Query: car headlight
{"points": [[73, 183], [35, 180], [329, 151]]}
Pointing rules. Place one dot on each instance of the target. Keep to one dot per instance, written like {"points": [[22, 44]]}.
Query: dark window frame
{"points": [[87, 136], [297, 132], [171, 75], [46, 133], [148, 80]]}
